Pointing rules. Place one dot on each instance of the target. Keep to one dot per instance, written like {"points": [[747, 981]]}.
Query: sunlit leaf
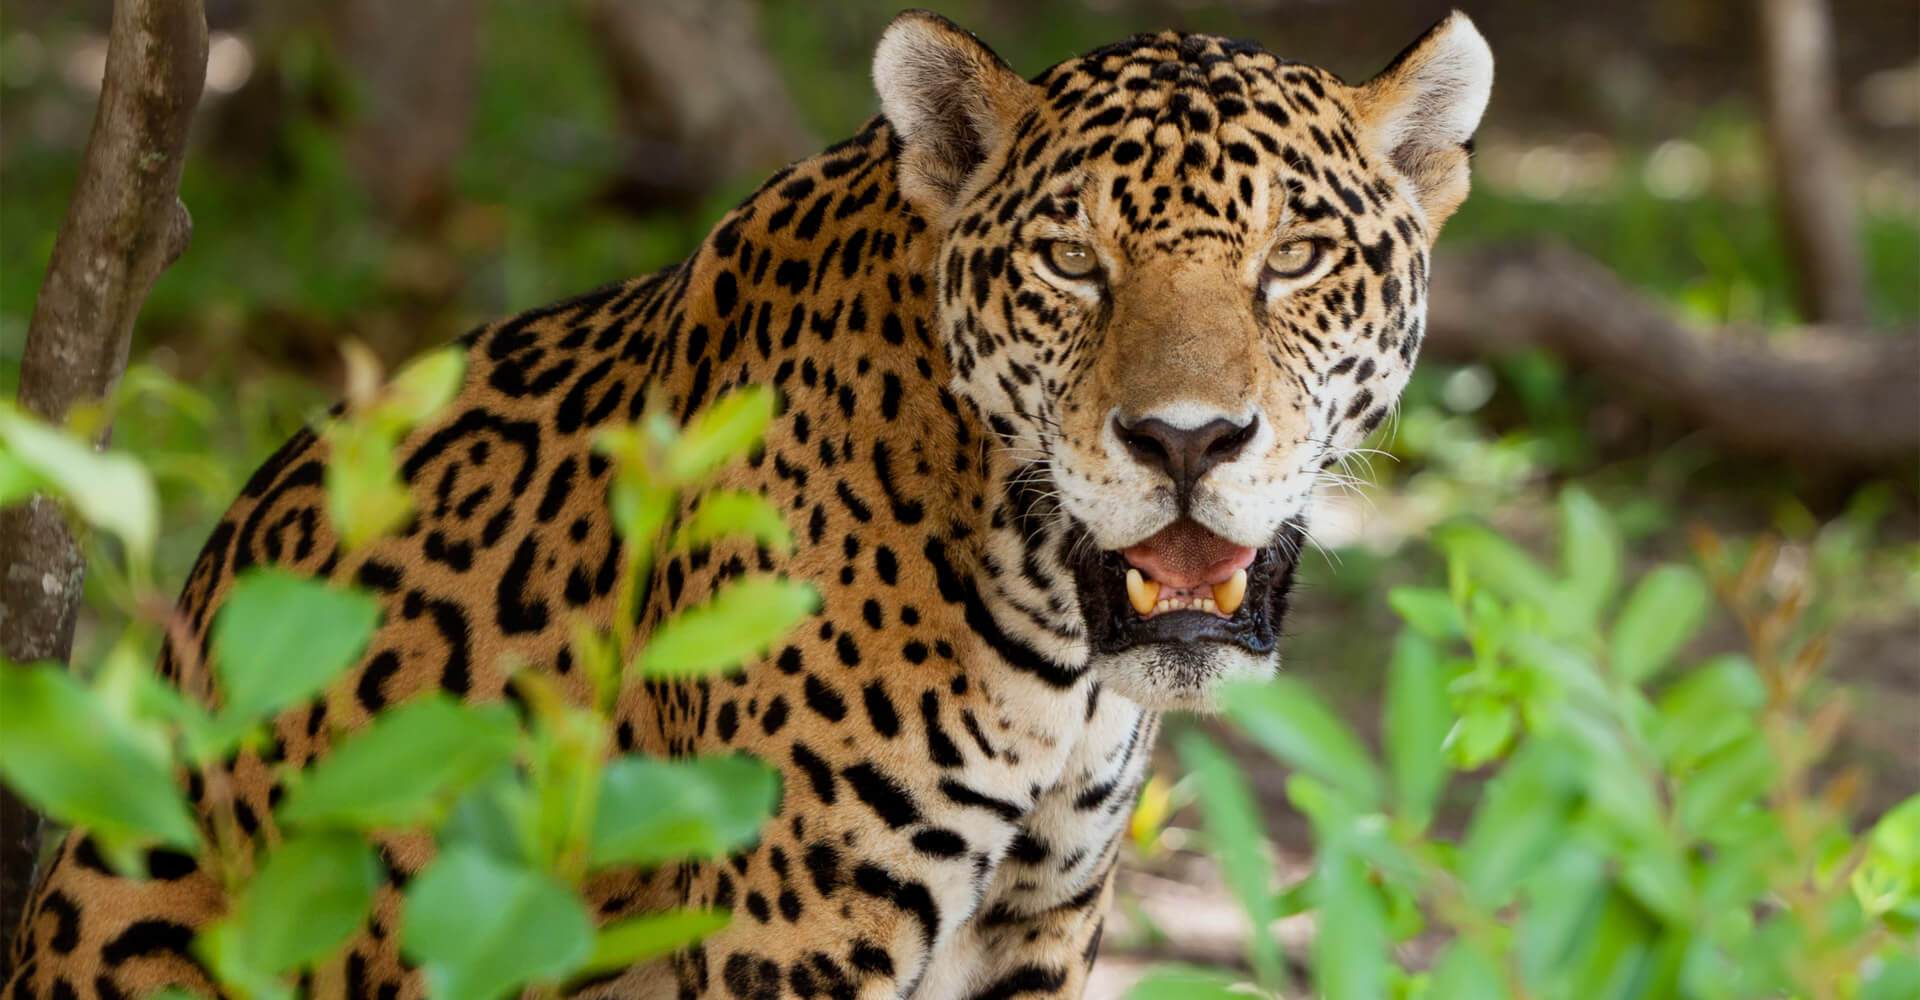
{"points": [[110, 490], [1664, 610], [481, 928], [406, 767], [1350, 949], [1428, 610], [1291, 723], [312, 893], [726, 430], [1186, 983], [739, 622], [64, 751], [1589, 553], [423, 387], [1416, 719], [1239, 841], [638, 939], [725, 514], [653, 810], [1521, 820], [280, 639]]}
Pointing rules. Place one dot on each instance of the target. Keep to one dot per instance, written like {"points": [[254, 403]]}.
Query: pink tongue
{"points": [[1185, 555]]}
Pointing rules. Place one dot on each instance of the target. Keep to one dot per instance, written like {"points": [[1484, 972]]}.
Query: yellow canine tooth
{"points": [[1142, 593], [1228, 595]]}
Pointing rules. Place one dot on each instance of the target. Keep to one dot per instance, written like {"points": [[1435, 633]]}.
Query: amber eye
{"points": [[1293, 258], [1071, 260]]}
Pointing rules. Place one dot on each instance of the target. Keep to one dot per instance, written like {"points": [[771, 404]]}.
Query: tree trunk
{"points": [[124, 225], [1819, 395], [1808, 148], [416, 63], [701, 102]]}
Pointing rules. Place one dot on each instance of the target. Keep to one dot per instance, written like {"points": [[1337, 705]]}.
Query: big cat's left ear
{"points": [[1420, 112], [952, 102]]}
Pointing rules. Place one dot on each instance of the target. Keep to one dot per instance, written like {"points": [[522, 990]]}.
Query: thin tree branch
{"points": [[124, 225], [1808, 148], [1824, 395]]}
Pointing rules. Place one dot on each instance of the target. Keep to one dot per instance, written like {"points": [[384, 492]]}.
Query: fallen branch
{"points": [[1825, 395], [124, 225]]}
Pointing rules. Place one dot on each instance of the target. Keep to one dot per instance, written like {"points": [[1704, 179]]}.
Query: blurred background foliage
{"points": [[396, 173]]}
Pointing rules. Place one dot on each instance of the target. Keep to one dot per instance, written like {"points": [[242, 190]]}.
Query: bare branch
{"points": [[1810, 163], [124, 225], [1820, 394]]}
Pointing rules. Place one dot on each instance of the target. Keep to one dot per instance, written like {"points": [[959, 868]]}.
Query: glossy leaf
{"points": [[406, 767], [654, 810], [481, 928], [738, 623], [64, 751], [1291, 723]]}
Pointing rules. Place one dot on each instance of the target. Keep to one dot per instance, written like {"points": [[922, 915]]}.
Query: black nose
{"points": [[1184, 455]]}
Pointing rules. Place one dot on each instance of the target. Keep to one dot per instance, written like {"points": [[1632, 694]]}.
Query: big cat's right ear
{"points": [[951, 101], [1421, 111]]}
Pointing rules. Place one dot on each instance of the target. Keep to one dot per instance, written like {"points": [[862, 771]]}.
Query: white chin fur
{"points": [[1168, 677]]}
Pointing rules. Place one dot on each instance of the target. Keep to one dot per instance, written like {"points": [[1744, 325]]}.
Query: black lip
{"points": [[1113, 626]]}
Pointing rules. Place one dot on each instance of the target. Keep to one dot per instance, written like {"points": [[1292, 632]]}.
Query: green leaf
{"points": [[406, 768], [726, 430], [1499, 565], [110, 490], [312, 893], [365, 499], [1724, 782], [280, 639], [1660, 615], [1522, 819], [1897, 978], [1464, 972], [1485, 727], [1888, 878], [1285, 718], [1429, 611], [1415, 725], [1706, 709], [1179, 982], [65, 752], [653, 810], [739, 622], [423, 387], [638, 939], [17, 479], [1350, 950], [481, 928], [1239, 840], [725, 514], [1589, 554]]}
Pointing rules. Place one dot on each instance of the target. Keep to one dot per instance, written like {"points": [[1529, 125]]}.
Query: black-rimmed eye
{"points": [[1071, 260], [1294, 258]]}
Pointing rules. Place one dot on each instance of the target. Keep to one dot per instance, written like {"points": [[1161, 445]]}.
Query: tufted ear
{"points": [[1422, 109], [951, 100]]}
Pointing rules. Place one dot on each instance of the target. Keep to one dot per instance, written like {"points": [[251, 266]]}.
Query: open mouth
{"points": [[1187, 585]]}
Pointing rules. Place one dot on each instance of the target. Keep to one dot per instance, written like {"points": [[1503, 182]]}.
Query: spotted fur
{"points": [[957, 767]]}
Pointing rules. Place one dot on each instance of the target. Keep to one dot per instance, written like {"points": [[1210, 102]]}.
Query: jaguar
{"points": [[1060, 362]]}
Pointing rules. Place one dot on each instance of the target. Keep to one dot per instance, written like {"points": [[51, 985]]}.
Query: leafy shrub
{"points": [[524, 808], [1644, 831]]}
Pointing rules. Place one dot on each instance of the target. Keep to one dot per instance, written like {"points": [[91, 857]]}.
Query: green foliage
{"points": [[522, 809], [1646, 828]]}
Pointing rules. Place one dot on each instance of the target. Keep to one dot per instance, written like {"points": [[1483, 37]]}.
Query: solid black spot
{"points": [[888, 800], [880, 711], [938, 842], [824, 701]]}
